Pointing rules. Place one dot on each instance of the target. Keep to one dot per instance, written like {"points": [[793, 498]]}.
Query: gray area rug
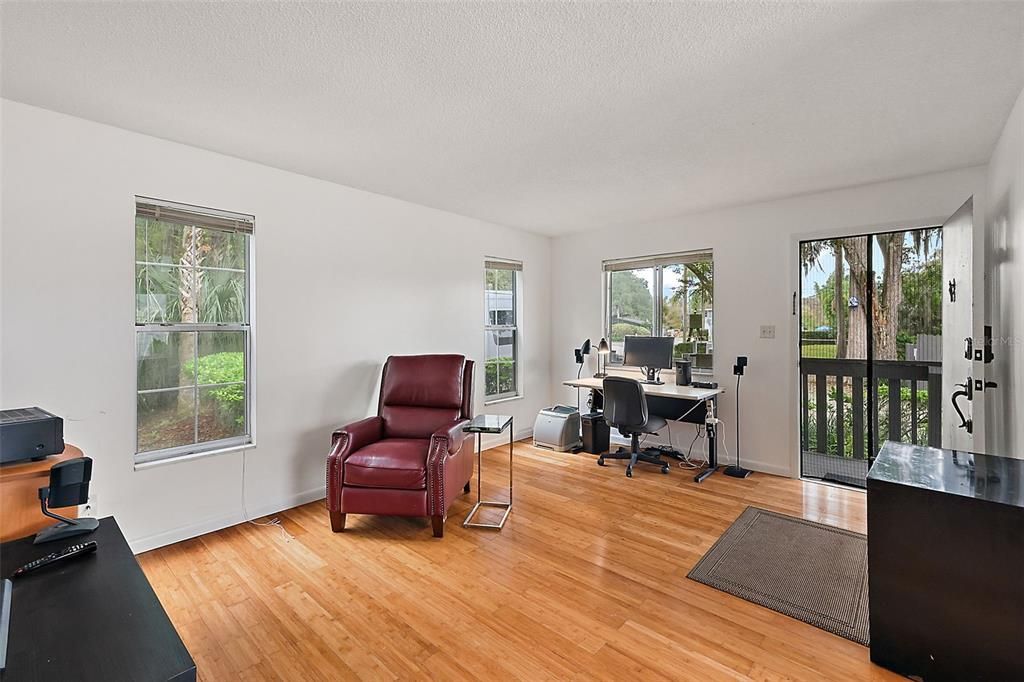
{"points": [[806, 570]]}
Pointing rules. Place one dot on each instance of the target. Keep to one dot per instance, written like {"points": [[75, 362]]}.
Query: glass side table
{"points": [[481, 424]]}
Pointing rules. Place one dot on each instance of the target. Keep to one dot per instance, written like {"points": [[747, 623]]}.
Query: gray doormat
{"points": [[806, 570]]}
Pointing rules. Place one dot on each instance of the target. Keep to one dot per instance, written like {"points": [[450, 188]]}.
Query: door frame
{"points": [[796, 466]]}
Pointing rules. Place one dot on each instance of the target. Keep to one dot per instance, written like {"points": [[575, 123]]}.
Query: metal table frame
{"points": [[507, 506]]}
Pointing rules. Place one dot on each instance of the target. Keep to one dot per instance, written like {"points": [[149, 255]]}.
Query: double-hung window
{"points": [[665, 295], [501, 328], [193, 285]]}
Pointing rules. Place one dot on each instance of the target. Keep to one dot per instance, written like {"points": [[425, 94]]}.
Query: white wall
{"points": [[1004, 288], [343, 278], [756, 273]]}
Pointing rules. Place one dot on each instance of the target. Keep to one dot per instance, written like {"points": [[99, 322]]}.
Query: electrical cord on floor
{"points": [[274, 522], [688, 462], [721, 439]]}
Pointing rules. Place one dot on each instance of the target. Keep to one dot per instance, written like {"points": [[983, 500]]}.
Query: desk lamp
{"points": [[584, 349], [602, 351], [69, 485]]}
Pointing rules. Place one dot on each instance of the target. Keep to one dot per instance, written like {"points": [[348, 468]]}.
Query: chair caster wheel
{"points": [[664, 469], [600, 461], [629, 472]]}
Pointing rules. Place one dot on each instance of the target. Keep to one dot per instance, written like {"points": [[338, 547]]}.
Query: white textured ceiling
{"points": [[554, 117]]}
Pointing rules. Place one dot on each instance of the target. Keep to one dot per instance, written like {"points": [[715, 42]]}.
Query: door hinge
{"points": [[952, 290]]}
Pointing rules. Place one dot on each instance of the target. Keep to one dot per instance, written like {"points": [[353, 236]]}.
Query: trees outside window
{"points": [[663, 296], [192, 284]]}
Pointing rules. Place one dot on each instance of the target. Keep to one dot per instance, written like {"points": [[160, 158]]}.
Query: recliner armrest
{"points": [[358, 434], [452, 434]]}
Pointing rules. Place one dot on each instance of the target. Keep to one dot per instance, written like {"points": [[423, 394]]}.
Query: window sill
{"points": [[177, 459], [498, 401]]}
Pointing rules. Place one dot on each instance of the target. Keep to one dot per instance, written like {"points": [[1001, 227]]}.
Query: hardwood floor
{"points": [[586, 581]]}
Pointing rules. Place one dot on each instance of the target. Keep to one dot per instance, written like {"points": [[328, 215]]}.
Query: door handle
{"points": [[966, 391]]}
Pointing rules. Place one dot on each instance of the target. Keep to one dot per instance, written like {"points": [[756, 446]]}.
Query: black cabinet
{"points": [[92, 618], [946, 563]]}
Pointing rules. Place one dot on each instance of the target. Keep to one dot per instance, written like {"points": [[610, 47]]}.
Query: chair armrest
{"points": [[349, 438], [449, 437]]}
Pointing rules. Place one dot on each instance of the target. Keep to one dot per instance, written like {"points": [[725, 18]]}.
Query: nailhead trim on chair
{"points": [[334, 467], [435, 470]]}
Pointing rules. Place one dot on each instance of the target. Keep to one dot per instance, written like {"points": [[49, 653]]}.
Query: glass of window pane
{"points": [[166, 419], [161, 242], [222, 296], [222, 249], [221, 357], [499, 293], [165, 359], [631, 307], [221, 412], [161, 294], [500, 366], [686, 311]]}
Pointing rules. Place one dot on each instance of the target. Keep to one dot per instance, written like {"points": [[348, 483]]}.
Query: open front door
{"points": [[960, 429]]}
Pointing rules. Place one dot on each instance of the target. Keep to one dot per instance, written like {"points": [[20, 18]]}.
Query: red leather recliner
{"points": [[413, 458]]}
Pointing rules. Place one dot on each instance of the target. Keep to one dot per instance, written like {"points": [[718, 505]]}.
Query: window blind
{"points": [[184, 214], [654, 261], [496, 264]]}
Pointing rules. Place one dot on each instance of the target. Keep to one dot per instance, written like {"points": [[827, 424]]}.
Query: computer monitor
{"points": [[652, 353]]}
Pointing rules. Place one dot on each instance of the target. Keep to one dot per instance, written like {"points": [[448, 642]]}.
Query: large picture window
{"points": [[670, 295], [192, 329], [501, 328]]}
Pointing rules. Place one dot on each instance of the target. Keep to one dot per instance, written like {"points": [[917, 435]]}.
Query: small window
{"points": [[671, 295], [192, 329], [501, 329]]}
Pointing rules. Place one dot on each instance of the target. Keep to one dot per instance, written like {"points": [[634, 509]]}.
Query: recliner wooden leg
{"points": [[465, 488], [438, 523], [337, 521]]}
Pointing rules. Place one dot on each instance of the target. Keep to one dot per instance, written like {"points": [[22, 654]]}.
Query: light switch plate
{"points": [[767, 331]]}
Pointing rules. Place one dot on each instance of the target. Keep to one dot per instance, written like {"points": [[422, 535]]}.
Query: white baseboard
{"points": [[497, 440], [144, 544]]}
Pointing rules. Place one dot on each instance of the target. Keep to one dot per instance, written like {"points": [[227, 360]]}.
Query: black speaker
{"points": [[69, 482], [684, 373], [69, 486]]}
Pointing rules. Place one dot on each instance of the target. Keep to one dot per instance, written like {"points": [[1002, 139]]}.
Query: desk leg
{"points": [[712, 430]]}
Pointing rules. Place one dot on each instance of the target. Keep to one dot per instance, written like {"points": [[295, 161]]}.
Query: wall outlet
{"points": [[767, 331], [89, 508]]}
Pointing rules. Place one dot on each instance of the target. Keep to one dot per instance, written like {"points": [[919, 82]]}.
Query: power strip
{"points": [[704, 384]]}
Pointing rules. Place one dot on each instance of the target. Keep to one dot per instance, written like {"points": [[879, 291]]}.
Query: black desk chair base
{"points": [[634, 455]]}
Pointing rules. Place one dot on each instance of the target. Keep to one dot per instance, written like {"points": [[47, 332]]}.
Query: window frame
{"points": [[657, 263], [516, 268], [210, 447]]}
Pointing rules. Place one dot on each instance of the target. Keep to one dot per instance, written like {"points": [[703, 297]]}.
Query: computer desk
{"points": [[675, 403]]}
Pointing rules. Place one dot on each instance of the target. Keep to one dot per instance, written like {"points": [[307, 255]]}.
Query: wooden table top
{"points": [[29, 468]]}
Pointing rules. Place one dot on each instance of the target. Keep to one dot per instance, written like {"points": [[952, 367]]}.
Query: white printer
{"points": [[557, 428]]}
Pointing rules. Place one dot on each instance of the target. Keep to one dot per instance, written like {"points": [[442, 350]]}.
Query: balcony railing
{"points": [[834, 404]]}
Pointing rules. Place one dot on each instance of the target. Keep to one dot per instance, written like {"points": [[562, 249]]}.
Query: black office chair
{"points": [[625, 408]]}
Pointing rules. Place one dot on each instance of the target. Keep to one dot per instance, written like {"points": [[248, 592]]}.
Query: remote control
{"points": [[65, 554]]}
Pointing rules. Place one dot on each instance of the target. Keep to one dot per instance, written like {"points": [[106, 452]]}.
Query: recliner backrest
{"points": [[625, 405], [422, 393]]}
